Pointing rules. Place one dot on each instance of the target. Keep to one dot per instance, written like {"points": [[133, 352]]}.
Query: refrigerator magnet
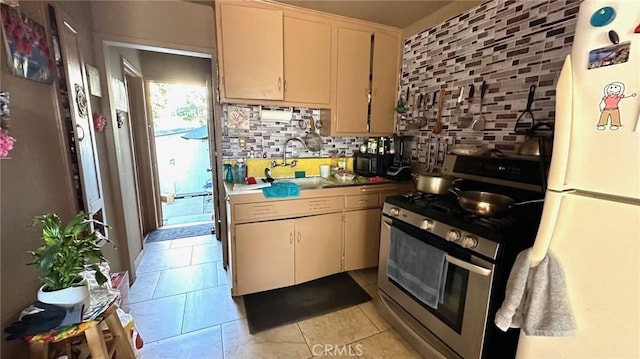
{"points": [[610, 55], [603, 16], [609, 106]]}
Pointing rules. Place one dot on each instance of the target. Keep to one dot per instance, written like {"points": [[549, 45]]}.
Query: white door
{"points": [[81, 115], [597, 243], [597, 144]]}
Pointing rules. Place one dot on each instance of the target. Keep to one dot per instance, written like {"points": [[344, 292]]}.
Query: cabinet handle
{"points": [[279, 83], [290, 238], [285, 85], [299, 237], [362, 201]]}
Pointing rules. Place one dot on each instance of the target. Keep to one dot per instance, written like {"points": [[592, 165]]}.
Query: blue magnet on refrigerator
{"points": [[603, 16]]}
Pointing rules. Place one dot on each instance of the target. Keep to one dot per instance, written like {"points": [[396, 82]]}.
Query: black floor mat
{"points": [[270, 309], [164, 234]]}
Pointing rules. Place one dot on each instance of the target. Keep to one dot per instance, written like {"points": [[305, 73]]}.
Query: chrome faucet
{"points": [[284, 154]]}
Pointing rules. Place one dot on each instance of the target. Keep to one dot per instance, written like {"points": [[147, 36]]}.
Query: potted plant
{"points": [[67, 250]]}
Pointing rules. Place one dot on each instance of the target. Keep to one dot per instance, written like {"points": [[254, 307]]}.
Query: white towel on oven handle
{"points": [[536, 298]]}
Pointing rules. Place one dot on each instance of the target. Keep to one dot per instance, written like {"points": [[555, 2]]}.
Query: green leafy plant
{"points": [[67, 249]]}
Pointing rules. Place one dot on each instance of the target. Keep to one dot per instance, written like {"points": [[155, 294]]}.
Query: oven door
{"points": [[459, 322]]}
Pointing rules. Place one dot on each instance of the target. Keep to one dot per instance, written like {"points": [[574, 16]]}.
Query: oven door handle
{"points": [[468, 266]]}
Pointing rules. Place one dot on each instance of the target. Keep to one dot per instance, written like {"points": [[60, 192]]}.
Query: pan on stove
{"points": [[486, 203]]}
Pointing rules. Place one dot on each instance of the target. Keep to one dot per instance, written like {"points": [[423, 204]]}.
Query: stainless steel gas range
{"points": [[478, 255]]}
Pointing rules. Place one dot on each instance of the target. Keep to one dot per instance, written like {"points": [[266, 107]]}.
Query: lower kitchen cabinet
{"points": [[281, 253], [318, 246], [361, 239], [264, 255]]}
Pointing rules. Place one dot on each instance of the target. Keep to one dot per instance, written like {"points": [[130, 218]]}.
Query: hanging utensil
{"points": [[457, 111], [421, 120], [437, 127], [465, 120], [479, 123], [526, 120], [433, 104], [312, 140], [400, 108]]}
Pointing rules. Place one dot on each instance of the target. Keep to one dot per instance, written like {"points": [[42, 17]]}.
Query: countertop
{"points": [[307, 183]]}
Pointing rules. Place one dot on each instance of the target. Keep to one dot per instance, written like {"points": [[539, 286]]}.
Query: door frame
{"points": [[146, 175], [215, 126]]}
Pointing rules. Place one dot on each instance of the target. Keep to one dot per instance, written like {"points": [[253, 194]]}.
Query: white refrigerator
{"points": [[591, 216]]}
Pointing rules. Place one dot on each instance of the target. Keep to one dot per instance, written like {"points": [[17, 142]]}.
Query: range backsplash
{"points": [[267, 138], [509, 44]]}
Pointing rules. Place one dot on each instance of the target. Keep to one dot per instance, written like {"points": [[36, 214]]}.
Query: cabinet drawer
{"points": [[361, 201], [282, 209]]}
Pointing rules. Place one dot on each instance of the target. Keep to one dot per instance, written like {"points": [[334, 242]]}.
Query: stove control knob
{"points": [[426, 224], [453, 235], [469, 242], [394, 212]]}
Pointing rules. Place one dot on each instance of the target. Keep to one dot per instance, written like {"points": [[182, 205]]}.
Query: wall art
{"points": [[27, 46]]}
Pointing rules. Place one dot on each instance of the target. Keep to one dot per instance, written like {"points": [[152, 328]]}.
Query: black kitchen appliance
{"points": [[480, 252], [401, 168], [371, 164]]}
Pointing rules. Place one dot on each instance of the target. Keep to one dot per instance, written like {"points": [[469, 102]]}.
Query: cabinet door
{"points": [[354, 50], [307, 61], [252, 48], [361, 239], [318, 246], [264, 256], [386, 55]]}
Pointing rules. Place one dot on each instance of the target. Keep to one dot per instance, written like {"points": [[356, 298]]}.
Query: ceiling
{"points": [[398, 13]]}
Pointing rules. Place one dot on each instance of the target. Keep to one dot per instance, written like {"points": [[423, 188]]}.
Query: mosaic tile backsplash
{"points": [[265, 139], [509, 44]]}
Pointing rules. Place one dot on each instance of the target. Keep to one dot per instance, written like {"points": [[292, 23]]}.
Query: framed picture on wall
{"points": [[27, 46], [94, 81]]}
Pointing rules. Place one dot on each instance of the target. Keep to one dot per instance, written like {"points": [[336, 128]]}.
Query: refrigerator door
{"points": [[597, 134], [597, 244]]}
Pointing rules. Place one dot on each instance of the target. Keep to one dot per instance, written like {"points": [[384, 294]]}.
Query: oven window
{"points": [[451, 310]]}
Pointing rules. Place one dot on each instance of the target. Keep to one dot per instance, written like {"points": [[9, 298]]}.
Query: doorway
{"points": [[179, 118]]}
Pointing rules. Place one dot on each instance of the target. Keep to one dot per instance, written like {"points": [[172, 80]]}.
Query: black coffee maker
{"points": [[401, 169]]}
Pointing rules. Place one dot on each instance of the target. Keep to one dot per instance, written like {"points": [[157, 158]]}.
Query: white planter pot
{"points": [[67, 297]]}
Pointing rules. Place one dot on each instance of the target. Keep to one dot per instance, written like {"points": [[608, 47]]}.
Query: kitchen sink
{"points": [[307, 182]]}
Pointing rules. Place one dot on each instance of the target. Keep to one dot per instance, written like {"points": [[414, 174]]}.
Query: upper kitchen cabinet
{"points": [[307, 61], [273, 56], [250, 52], [385, 70], [368, 62], [351, 111]]}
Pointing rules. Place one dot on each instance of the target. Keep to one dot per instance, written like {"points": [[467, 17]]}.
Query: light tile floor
{"points": [[190, 209], [183, 308]]}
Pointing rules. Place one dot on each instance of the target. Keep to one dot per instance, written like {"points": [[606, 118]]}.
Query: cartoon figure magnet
{"points": [[609, 110]]}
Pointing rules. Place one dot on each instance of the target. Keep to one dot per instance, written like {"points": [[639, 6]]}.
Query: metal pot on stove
{"points": [[433, 183]]}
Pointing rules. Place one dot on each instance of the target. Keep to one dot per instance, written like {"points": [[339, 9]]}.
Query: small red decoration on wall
{"points": [[99, 122]]}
